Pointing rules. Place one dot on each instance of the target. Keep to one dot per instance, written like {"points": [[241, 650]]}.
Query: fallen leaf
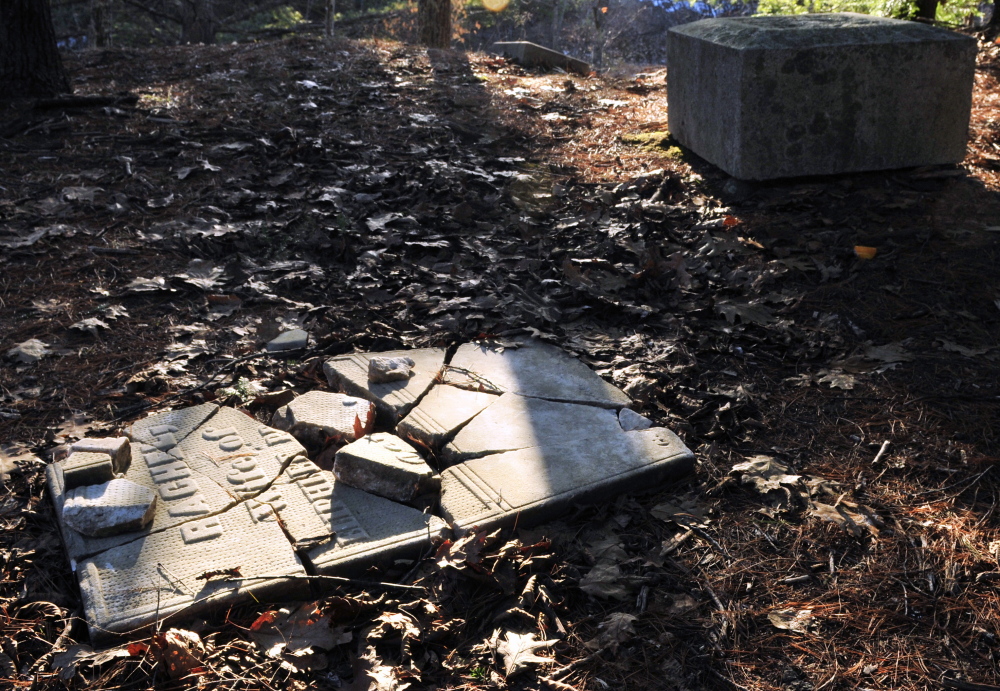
{"points": [[616, 629], [178, 651], [603, 581], [748, 312], [856, 519], [147, 285], [836, 379], [202, 274], [952, 347], [518, 651], [796, 620], [297, 630], [90, 325], [771, 478], [863, 252]]}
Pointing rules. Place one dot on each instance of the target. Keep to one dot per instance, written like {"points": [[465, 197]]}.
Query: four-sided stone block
{"points": [[313, 417], [111, 508], [815, 94], [385, 465], [116, 447], [84, 468]]}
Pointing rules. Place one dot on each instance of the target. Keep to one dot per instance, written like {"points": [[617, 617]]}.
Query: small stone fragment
{"points": [[313, 417], [85, 468], [631, 420], [117, 448], [29, 352], [386, 369], [385, 465], [111, 508], [290, 340]]}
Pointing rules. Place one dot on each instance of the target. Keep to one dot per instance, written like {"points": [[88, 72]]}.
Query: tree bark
{"points": [[198, 22], [926, 9], [331, 11], [29, 60], [435, 23]]}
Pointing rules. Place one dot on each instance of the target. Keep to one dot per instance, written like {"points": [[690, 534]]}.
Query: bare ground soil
{"points": [[385, 196]]}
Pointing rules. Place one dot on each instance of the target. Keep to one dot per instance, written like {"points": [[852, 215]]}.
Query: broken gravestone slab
{"points": [[183, 570], [533, 55], [534, 484], [385, 465], [82, 468], [343, 529], [315, 416], [631, 420], [392, 399], [111, 508], [533, 369], [118, 448], [200, 461], [441, 413], [516, 422]]}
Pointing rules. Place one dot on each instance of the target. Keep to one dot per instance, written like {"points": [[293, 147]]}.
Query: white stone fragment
{"points": [[386, 369], [111, 508], [631, 420], [385, 465], [83, 468], [393, 400], [29, 351], [290, 340], [118, 448]]}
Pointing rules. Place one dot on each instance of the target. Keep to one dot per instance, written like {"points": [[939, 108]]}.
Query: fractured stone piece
{"points": [[631, 420], [534, 369], [818, 94], [533, 55], [392, 399], [200, 461], [386, 369], [111, 508], [289, 340], [313, 417], [516, 422], [117, 447], [165, 573], [442, 412], [385, 465], [84, 468], [535, 484], [372, 531]]}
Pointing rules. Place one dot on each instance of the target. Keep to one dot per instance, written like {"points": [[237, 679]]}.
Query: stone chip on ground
{"points": [[295, 339], [441, 413], [315, 416], [114, 507], [392, 399], [387, 369], [534, 369], [385, 465]]}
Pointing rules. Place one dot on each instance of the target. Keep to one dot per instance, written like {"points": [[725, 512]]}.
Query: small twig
{"points": [[881, 452], [949, 681], [337, 579]]}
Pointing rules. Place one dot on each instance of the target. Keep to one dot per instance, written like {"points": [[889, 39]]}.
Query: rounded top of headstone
{"points": [[811, 31]]}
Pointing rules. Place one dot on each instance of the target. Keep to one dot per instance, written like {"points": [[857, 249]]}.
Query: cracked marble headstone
{"points": [[533, 484], [114, 507], [535, 369], [118, 448], [442, 412], [313, 417], [385, 465], [517, 422], [168, 572], [392, 399]]}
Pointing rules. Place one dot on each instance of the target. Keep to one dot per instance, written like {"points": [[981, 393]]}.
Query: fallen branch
{"points": [[86, 101], [337, 579]]}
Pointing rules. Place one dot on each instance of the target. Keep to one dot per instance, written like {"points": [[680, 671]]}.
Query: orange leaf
{"points": [[359, 430], [263, 620], [863, 252], [731, 221], [137, 649]]}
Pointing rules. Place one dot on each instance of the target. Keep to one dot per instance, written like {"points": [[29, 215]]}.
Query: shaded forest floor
{"points": [[383, 196]]}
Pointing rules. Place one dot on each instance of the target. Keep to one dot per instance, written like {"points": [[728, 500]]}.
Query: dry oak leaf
{"points": [[616, 629], [518, 651], [179, 652], [796, 620]]}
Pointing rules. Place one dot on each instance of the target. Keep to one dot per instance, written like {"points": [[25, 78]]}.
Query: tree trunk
{"points": [[926, 9], [100, 19], [435, 23], [29, 60], [198, 23], [331, 11]]}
